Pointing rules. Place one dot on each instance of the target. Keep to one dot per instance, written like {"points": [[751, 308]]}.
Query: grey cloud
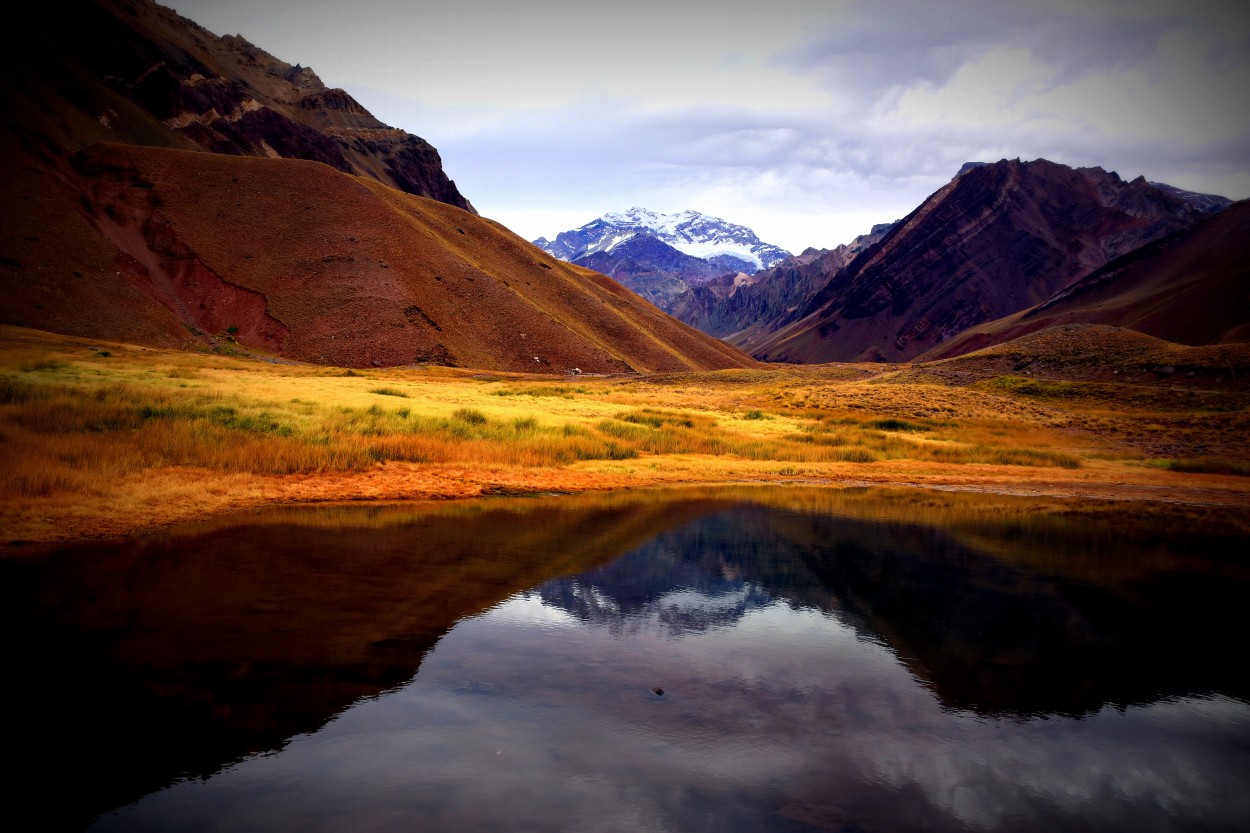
{"points": [[913, 43]]}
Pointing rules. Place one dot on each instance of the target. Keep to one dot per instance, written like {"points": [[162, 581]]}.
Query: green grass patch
{"points": [[1205, 465], [855, 455], [1118, 396], [895, 425], [993, 455], [389, 392], [621, 430], [561, 391], [45, 366], [1033, 388], [469, 416], [16, 392], [658, 419]]}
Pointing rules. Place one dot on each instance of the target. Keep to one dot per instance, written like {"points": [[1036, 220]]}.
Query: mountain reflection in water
{"points": [[988, 634], [829, 660]]}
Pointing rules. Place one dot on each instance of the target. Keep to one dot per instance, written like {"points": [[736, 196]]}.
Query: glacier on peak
{"points": [[689, 232]]}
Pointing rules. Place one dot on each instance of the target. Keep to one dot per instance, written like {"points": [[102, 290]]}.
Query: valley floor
{"points": [[100, 439]]}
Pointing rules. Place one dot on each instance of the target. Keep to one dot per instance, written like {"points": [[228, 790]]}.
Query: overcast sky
{"points": [[807, 121]]}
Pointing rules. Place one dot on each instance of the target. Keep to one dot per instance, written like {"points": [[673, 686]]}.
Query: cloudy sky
{"points": [[807, 121]]}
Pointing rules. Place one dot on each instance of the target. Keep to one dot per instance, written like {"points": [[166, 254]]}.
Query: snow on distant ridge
{"points": [[690, 232]]}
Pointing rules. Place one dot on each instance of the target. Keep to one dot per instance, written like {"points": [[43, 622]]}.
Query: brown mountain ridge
{"points": [[1192, 287], [292, 238], [78, 72], [292, 258], [998, 238]]}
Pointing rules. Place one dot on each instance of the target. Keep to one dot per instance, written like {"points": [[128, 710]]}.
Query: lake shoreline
{"points": [[156, 500]]}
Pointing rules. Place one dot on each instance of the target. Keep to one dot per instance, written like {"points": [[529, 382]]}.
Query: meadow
{"points": [[101, 438]]}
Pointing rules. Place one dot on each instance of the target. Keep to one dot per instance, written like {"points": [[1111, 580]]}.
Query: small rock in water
{"points": [[659, 692]]}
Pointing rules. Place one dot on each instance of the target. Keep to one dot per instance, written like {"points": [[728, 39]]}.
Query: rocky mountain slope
{"points": [[294, 259], [998, 238], [750, 307], [1187, 288], [651, 268], [1206, 203], [134, 72], [293, 238], [660, 256]]}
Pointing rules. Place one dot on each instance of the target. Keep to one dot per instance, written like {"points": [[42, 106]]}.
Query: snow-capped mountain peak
{"points": [[690, 232]]}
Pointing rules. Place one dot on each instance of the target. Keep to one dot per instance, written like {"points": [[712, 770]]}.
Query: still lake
{"points": [[740, 659]]}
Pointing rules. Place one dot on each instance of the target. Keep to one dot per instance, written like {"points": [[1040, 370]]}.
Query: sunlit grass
{"points": [[65, 437], [67, 430], [74, 423]]}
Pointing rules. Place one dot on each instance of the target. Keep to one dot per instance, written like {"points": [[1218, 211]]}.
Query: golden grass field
{"points": [[102, 439]]}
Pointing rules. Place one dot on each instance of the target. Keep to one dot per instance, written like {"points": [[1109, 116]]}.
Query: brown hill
{"points": [[77, 72], [292, 258], [996, 239], [1191, 288], [1097, 353]]}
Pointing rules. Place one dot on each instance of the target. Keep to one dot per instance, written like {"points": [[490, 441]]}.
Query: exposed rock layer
{"points": [[131, 71], [1188, 288]]}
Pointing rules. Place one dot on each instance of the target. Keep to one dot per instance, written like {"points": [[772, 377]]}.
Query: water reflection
{"points": [[828, 661], [987, 633]]}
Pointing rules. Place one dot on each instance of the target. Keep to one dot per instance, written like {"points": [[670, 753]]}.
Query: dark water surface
{"points": [[848, 660]]}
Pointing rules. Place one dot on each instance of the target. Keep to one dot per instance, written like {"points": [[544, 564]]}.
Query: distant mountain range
{"points": [[660, 256], [708, 238], [999, 238], [740, 305]]}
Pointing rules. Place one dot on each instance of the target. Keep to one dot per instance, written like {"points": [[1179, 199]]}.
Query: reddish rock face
{"points": [[122, 204], [997, 239], [1187, 288], [133, 72]]}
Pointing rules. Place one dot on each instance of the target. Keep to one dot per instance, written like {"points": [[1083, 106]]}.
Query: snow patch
{"points": [[689, 232]]}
